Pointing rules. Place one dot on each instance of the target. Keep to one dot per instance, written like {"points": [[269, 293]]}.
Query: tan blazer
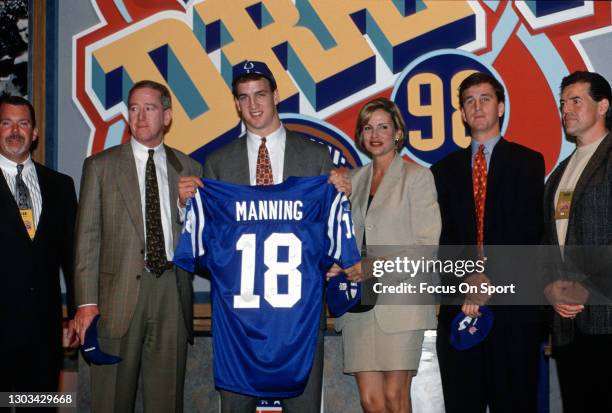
{"points": [[404, 212], [109, 257]]}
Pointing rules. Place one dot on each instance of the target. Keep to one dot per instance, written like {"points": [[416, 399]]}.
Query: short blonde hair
{"points": [[366, 112]]}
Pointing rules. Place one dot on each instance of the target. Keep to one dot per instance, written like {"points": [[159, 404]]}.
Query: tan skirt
{"points": [[368, 348]]}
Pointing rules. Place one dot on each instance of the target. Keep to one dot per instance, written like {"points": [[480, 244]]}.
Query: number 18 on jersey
{"points": [[267, 248]]}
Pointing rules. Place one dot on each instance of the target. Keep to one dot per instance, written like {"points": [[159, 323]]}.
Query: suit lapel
{"points": [[496, 167], [44, 184], [237, 160], [8, 202], [549, 200], [495, 179], [361, 189], [600, 156], [465, 180], [241, 163], [388, 183], [293, 164], [174, 169], [464, 204], [6, 193], [127, 179]]}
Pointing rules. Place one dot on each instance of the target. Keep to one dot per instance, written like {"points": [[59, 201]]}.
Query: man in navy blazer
{"points": [[30, 296], [500, 372]]}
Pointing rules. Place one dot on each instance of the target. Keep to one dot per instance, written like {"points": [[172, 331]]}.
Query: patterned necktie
{"points": [[21, 190], [157, 262], [263, 172], [479, 183], [24, 202]]}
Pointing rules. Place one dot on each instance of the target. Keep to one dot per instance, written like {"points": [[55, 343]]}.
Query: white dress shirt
{"points": [[141, 155], [9, 170], [275, 142]]}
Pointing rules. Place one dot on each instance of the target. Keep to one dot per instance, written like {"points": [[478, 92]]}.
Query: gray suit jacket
{"points": [[404, 212], [230, 163], [110, 245], [590, 223]]}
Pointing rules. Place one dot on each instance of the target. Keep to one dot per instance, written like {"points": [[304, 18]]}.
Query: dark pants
{"points": [[581, 366], [32, 366], [501, 372]]}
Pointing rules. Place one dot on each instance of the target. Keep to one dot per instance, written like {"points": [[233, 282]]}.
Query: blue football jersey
{"points": [[267, 248]]}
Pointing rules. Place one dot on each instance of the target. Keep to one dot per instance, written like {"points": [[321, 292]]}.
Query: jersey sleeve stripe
{"points": [[201, 222], [331, 223], [339, 234], [190, 221]]}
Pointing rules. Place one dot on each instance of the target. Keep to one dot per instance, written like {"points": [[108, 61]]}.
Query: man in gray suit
{"points": [[127, 224], [577, 207], [256, 97]]}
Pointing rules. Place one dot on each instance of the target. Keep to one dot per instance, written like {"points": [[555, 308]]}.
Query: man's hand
{"points": [[354, 273], [476, 280], [333, 271], [564, 292], [568, 310], [341, 181], [187, 187], [83, 318], [70, 338], [470, 309]]}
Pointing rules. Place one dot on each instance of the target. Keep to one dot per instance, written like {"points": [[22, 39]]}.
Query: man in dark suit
{"points": [[289, 154], [490, 194], [127, 225], [37, 213], [577, 207]]}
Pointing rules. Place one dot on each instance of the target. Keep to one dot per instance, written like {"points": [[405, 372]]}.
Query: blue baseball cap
{"points": [[466, 332], [252, 67], [91, 347], [342, 294]]}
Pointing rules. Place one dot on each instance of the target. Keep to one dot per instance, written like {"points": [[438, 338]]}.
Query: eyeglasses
{"points": [[380, 128]]}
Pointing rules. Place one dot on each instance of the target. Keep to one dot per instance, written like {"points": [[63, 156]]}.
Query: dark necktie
{"points": [[21, 190], [24, 202], [157, 262], [479, 181], [263, 171]]}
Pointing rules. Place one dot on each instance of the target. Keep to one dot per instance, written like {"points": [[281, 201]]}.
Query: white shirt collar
{"points": [[141, 151], [272, 139], [11, 167]]}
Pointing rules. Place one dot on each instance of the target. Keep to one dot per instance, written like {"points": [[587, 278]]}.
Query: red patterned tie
{"points": [[479, 183], [263, 172]]}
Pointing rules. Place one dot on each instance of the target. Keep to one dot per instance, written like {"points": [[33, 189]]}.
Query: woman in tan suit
{"points": [[394, 203]]}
